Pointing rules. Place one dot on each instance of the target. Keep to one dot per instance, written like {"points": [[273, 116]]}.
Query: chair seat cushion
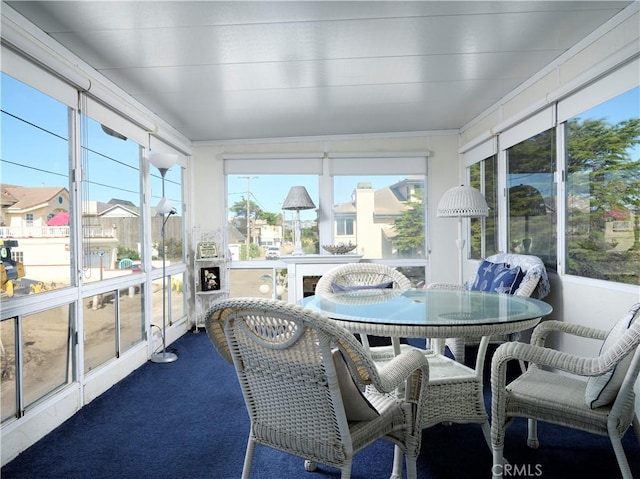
{"points": [[356, 405], [497, 278], [602, 390]]}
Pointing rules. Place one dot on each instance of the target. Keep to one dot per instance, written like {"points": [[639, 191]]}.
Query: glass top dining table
{"points": [[431, 313]]}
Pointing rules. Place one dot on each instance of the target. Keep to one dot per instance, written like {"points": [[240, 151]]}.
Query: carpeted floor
{"points": [[187, 420]]}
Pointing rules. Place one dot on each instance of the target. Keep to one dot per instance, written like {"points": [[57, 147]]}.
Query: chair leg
{"points": [[412, 468], [532, 440], [398, 456], [623, 464], [248, 457], [498, 462], [346, 470]]}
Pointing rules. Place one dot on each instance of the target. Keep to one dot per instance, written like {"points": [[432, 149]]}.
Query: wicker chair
{"points": [[534, 284], [362, 275], [455, 392], [567, 399], [285, 358]]}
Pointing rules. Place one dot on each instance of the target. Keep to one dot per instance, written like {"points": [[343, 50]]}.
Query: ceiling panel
{"points": [[238, 70]]}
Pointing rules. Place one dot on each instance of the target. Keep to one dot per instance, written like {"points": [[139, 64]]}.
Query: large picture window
{"points": [[603, 191], [531, 197], [257, 219], [34, 227], [383, 215]]}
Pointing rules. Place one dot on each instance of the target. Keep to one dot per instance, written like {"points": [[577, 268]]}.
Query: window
{"points": [[531, 197], [35, 186], [111, 198], [386, 214], [344, 227], [260, 199], [603, 190], [46, 352], [484, 231]]}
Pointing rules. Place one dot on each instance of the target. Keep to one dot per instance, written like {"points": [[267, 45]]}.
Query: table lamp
{"points": [[298, 199]]}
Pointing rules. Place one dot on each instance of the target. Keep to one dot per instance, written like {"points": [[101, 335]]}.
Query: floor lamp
{"points": [[163, 162], [462, 202], [298, 199]]}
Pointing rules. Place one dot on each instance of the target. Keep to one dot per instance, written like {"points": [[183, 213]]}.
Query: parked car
{"points": [[273, 252]]}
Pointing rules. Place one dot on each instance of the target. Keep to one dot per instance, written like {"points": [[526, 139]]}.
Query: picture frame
{"points": [[210, 278], [207, 250]]}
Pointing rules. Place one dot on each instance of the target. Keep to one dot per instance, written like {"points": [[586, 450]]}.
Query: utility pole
{"points": [[248, 213]]}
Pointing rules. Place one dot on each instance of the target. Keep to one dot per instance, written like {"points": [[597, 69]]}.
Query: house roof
{"points": [[18, 199], [387, 202]]}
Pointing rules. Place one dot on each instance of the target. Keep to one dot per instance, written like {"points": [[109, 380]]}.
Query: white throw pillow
{"points": [[602, 390], [356, 405]]}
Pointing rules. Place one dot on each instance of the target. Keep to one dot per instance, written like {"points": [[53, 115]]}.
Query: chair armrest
{"points": [[547, 357], [400, 368], [542, 331]]}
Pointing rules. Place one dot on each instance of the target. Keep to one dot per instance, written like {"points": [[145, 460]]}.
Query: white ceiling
{"points": [[240, 70]]}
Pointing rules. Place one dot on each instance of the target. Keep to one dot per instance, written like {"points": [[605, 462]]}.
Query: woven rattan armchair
{"points": [[544, 394], [285, 358], [535, 284], [362, 275], [455, 392]]}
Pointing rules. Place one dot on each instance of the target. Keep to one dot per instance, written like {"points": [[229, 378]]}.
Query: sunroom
{"points": [[374, 109]]}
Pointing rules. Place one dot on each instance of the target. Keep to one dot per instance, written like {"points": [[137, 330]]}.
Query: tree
{"points": [[604, 177], [410, 229]]}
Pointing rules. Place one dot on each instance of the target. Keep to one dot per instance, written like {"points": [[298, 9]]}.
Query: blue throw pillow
{"points": [[508, 280], [497, 278], [337, 288], [487, 272]]}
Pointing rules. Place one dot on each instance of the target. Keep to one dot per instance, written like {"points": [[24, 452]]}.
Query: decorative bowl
{"points": [[339, 248]]}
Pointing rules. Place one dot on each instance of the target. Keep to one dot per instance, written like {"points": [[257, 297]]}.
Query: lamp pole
{"points": [[247, 212], [163, 162]]}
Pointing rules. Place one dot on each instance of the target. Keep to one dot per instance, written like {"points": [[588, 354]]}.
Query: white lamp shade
{"points": [[165, 207], [462, 202], [163, 161]]}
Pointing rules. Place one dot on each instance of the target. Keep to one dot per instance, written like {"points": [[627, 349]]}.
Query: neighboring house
{"points": [[44, 244], [29, 208], [368, 219]]}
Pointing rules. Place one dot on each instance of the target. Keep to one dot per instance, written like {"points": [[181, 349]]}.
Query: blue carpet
{"points": [[187, 420]]}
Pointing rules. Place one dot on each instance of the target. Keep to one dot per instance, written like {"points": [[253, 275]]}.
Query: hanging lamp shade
{"points": [[298, 199], [462, 202]]}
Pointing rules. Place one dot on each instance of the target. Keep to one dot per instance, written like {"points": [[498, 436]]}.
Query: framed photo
{"points": [[210, 278], [207, 250]]}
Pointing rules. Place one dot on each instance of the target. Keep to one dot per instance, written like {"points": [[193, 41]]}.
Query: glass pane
{"points": [[531, 200], [99, 329], [8, 406], [484, 231], [111, 193], [173, 224], [177, 297], [131, 316], [603, 191], [259, 283], [34, 227], [46, 347], [382, 215], [261, 198]]}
